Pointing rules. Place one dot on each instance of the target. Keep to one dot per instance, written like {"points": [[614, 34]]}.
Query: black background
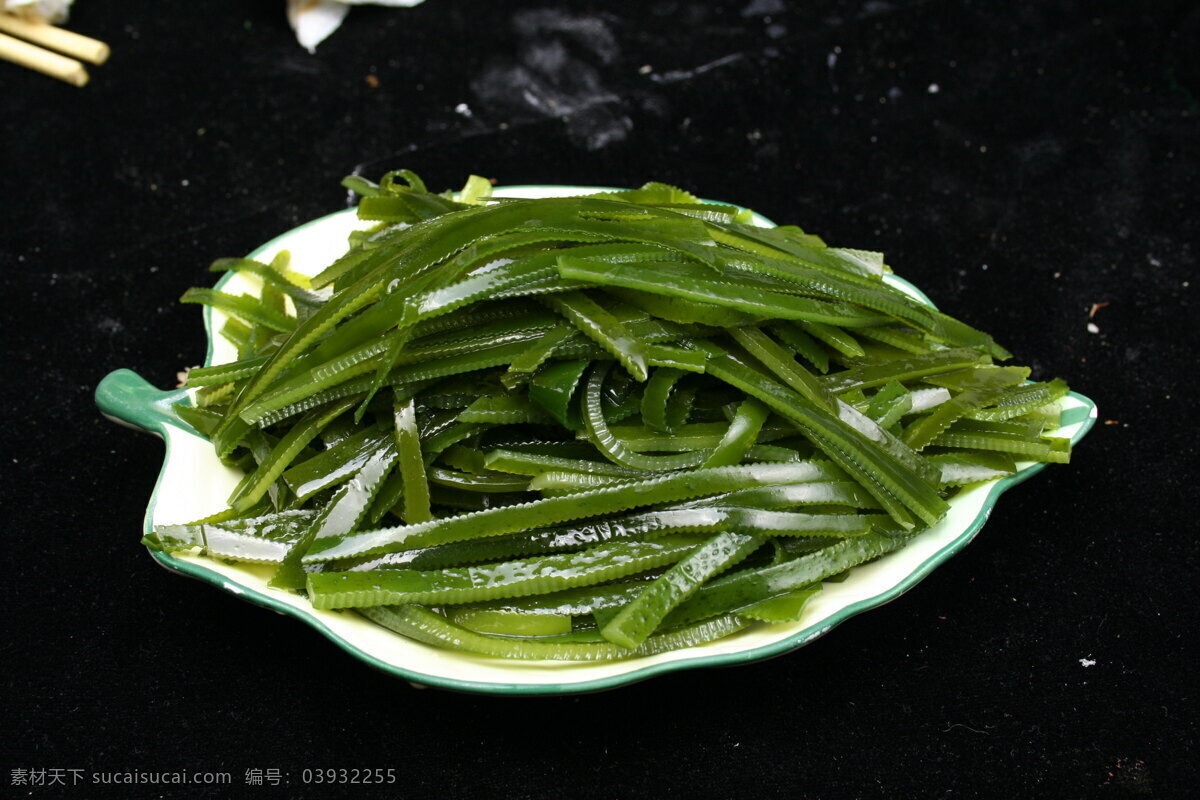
{"points": [[1054, 167]]}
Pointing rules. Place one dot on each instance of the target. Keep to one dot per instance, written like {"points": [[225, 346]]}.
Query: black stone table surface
{"points": [[1032, 166]]}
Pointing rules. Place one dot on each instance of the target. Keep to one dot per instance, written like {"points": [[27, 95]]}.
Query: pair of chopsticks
{"points": [[66, 67]]}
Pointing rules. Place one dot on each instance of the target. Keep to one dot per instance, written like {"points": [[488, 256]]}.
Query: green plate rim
{"points": [[126, 398]]}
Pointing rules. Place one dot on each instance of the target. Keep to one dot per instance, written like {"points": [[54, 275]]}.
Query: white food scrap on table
{"points": [[46, 10], [314, 20]]}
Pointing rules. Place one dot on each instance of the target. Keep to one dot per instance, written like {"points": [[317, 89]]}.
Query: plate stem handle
{"points": [[128, 399]]}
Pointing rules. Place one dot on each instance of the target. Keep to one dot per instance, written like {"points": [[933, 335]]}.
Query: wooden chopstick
{"points": [[72, 44], [34, 57]]}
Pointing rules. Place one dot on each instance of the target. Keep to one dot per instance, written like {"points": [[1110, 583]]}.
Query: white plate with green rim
{"points": [[193, 483]]}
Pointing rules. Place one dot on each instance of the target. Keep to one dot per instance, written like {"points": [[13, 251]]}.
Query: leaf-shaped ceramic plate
{"points": [[193, 484]]}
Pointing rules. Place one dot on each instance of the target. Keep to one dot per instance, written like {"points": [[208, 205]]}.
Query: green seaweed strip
{"points": [[259, 539], [271, 275], [433, 446], [259, 446], [360, 186], [570, 602], [463, 337], [963, 468], [679, 407], [411, 464], [985, 377], [691, 282], [258, 482], [537, 575], [510, 546], [736, 591], [342, 304], [472, 318], [826, 492], [839, 340], [770, 452], [1022, 400], [692, 436], [743, 431], [804, 345], [305, 384], [781, 363], [205, 421], [224, 373], [604, 329], [557, 483], [248, 308], [664, 355], [219, 395], [797, 279], [1053, 450], [612, 447], [488, 483], [884, 400], [897, 489], [653, 192], [1024, 429], [681, 311], [575, 536], [536, 463], [927, 428], [426, 626], [463, 457], [894, 411], [781, 243], [634, 623], [550, 511], [470, 361], [887, 442], [899, 339], [334, 465], [503, 410], [389, 497], [238, 334], [390, 359], [538, 353], [338, 268], [862, 377], [786, 607], [339, 516], [507, 623], [654, 398], [951, 331], [554, 388]]}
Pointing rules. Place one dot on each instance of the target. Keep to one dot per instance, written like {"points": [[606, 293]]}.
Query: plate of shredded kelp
{"points": [[552, 439]]}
